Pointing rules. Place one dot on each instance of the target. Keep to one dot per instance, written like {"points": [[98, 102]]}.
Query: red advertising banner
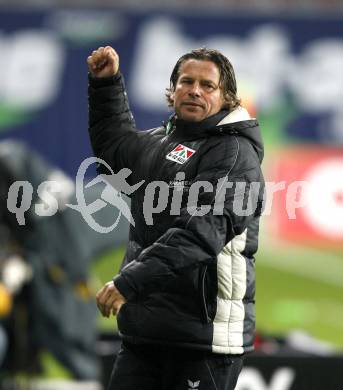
{"points": [[308, 206]]}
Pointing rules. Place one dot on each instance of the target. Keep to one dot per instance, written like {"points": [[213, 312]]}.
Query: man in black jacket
{"points": [[184, 297]]}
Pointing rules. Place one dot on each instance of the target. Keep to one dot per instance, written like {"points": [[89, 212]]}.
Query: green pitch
{"points": [[297, 289]]}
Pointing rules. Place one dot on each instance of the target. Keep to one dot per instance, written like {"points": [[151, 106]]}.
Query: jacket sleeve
{"points": [[194, 239], [112, 128]]}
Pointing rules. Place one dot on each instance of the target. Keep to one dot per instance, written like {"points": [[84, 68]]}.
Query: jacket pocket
{"points": [[203, 300]]}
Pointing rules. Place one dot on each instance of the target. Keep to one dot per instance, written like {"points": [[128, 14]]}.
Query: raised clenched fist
{"points": [[103, 62]]}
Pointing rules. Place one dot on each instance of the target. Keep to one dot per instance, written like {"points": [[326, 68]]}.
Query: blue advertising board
{"points": [[289, 71]]}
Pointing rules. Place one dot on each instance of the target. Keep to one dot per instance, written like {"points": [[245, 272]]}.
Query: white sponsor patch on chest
{"points": [[180, 154]]}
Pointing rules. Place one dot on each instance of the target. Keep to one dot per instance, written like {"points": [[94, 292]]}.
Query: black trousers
{"points": [[152, 367]]}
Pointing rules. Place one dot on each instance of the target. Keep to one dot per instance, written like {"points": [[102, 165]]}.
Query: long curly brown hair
{"points": [[227, 79]]}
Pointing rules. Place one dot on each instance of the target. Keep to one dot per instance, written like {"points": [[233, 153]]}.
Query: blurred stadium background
{"points": [[288, 57]]}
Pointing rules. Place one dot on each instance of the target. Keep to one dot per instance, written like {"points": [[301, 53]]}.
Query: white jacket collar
{"points": [[237, 115]]}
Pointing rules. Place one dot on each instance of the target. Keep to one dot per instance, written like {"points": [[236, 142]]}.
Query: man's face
{"points": [[197, 92]]}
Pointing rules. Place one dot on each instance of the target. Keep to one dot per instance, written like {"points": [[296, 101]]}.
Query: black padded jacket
{"points": [[189, 272]]}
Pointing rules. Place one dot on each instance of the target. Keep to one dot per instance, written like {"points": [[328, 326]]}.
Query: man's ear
{"points": [[171, 97], [227, 104]]}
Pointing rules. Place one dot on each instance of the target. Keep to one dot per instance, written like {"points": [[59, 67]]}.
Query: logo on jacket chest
{"points": [[180, 154]]}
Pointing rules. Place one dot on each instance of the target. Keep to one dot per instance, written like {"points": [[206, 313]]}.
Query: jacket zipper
{"points": [[204, 304]]}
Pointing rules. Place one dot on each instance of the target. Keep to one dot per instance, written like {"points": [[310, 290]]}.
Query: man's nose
{"points": [[195, 90]]}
